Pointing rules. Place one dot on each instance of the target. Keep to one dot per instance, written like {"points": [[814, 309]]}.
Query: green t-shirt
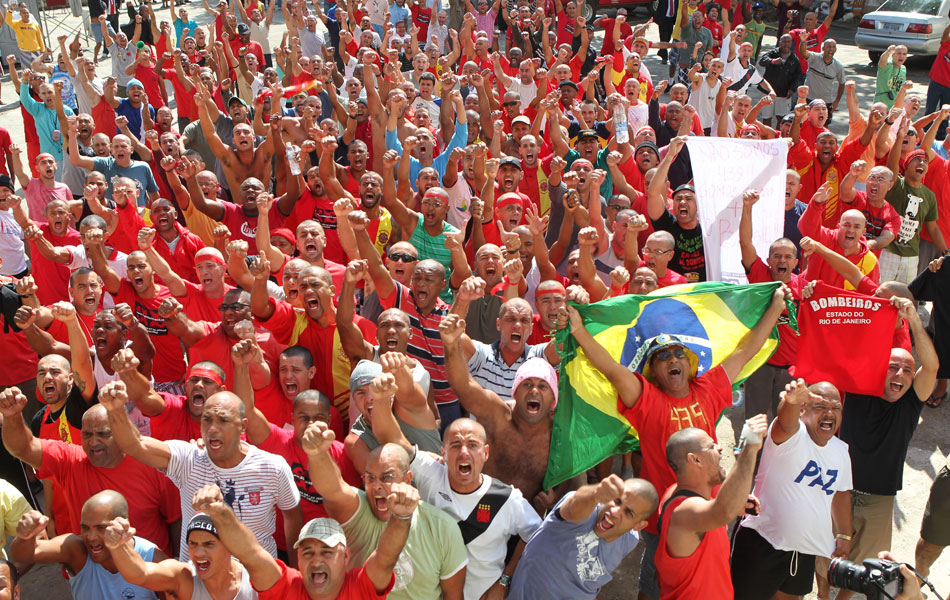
{"points": [[434, 550], [915, 205], [889, 83], [756, 31], [433, 247], [607, 187]]}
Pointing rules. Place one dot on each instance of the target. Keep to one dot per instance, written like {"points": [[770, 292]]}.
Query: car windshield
{"points": [[925, 7]]}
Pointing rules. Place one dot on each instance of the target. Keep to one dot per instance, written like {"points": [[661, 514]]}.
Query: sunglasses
{"points": [[402, 257], [667, 354], [237, 306], [511, 103]]}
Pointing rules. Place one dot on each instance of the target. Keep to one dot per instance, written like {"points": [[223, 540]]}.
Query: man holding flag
{"points": [[669, 396]]}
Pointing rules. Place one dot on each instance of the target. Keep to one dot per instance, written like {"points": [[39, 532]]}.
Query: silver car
{"points": [[917, 24]]}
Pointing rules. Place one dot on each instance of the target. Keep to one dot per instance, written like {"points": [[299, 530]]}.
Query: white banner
{"points": [[723, 168]]}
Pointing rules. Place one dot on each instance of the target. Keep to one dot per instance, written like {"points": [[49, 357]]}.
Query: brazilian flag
{"points": [[710, 318]]}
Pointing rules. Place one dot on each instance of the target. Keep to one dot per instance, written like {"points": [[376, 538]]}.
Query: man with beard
{"points": [[489, 512], [583, 540], [44, 188], [212, 572], [826, 162], [689, 258], [171, 417], [804, 485], [917, 206], [119, 166], [521, 434], [763, 387], [313, 326], [434, 557], [98, 465], [692, 559], [847, 239], [670, 385], [423, 156], [87, 560], [257, 483], [421, 302], [140, 291]]}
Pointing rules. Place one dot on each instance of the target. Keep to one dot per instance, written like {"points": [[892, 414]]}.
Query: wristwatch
{"points": [[505, 580]]}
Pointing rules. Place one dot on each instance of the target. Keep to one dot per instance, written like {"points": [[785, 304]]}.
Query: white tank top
{"points": [[245, 591], [704, 101]]}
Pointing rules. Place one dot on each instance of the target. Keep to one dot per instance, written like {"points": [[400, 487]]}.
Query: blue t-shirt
{"points": [[47, 123], [180, 27], [567, 560], [138, 171], [93, 581], [791, 222], [398, 14], [134, 115], [69, 91]]}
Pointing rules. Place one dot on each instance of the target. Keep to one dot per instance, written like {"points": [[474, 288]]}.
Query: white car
{"points": [[917, 24]]}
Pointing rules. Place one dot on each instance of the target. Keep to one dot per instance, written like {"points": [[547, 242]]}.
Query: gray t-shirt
{"points": [[122, 58], [822, 78], [567, 560], [426, 439], [691, 35]]}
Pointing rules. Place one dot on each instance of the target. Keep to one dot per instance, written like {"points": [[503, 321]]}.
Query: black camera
{"points": [[875, 578]]}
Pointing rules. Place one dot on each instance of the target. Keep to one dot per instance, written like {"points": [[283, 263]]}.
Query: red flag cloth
{"points": [[845, 338]]}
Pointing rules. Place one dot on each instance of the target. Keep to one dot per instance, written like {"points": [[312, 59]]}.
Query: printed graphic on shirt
{"points": [[153, 322], [909, 222], [589, 566], [812, 476], [304, 485], [403, 572]]}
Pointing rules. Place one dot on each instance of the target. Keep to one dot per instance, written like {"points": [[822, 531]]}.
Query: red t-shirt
{"points": [[52, 278], [356, 586], [5, 142], [151, 83], [184, 98], [421, 17], [787, 337], [216, 347], [813, 42], [281, 442], [58, 330], [940, 71], [809, 133], [880, 219], [168, 363], [703, 574], [333, 366], [175, 422], [657, 416], [670, 278], [321, 211], [20, 364], [199, 307], [565, 28], [103, 115], [153, 498], [608, 24], [244, 228], [936, 179]]}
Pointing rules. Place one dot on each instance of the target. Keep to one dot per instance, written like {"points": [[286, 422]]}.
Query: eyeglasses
{"points": [[233, 307], [667, 354], [656, 252], [402, 257], [511, 103], [432, 203], [386, 478]]}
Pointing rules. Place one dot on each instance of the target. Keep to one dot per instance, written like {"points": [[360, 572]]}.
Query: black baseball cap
{"points": [[510, 160], [587, 133], [7, 182]]}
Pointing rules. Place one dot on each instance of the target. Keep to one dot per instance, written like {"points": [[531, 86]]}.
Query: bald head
{"points": [[644, 490], [96, 415], [228, 401], [466, 424], [110, 499], [683, 443], [826, 390], [392, 455]]}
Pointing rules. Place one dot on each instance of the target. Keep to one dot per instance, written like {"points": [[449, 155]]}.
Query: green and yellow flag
{"points": [[710, 318]]}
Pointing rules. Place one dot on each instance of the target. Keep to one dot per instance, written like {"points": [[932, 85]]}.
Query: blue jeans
{"points": [[938, 95]]}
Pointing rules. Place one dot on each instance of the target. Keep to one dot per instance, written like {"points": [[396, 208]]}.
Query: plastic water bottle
{"points": [[293, 158], [620, 124]]}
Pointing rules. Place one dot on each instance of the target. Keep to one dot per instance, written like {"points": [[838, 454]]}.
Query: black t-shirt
{"points": [[689, 258], [878, 433], [75, 408], [935, 287]]}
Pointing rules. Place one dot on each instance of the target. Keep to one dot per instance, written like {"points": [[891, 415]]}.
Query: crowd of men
{"points": [[279, 317]]}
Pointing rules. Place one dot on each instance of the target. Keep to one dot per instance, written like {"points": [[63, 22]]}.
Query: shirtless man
{"points": [[243, 160], [520, 435]]}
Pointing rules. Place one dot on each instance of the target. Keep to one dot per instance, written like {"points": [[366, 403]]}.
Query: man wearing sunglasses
{"points": [[671, 395]]}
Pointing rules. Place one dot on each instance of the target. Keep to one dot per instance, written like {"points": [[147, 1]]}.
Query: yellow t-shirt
{"points": [[200, 224], [12, 506], [677, 31], [29, 38]]}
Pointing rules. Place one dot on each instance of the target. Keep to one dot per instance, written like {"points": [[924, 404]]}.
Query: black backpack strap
{"points": [[488, 507], [676, 494]]}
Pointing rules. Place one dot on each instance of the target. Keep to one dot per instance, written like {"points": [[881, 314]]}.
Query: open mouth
{"points": [[319, 577], [515, 338], [291, 293], [421, 296], [290, 388], [90, 301], [605, 523], [313, 304], [533, 406], [781, 269], [310, 248], [490, 271], [201, 565], [896, 386], [101, 342], [214, 444], [683, 211], [197, 399], [464, 469], [380, 503], [97, 549], [138, 282], [827, 425], [391, 344], [49, 389], [675, 371]]}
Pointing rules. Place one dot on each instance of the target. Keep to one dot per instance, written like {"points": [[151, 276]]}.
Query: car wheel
{"points": [[589, 9], [874, 56], [653, 7]]}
